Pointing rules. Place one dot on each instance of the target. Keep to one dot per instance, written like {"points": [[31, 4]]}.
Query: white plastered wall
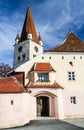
{"points": [[60, 62], [19, 113]]}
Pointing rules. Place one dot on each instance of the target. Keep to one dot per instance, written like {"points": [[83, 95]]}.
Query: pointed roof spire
{"points": [[17, 36], [39, 37], [29, 27]]}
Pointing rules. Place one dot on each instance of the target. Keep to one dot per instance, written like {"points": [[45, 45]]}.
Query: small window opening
{"points": [[34, 55], [73, 100], [42, 57], [18, 58], [80, 57], [12, 102], [23, 56], [62, 57], [73, 57], [50, 57], [71, 63]]}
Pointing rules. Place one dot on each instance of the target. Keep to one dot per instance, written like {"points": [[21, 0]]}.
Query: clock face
{"points": [[20, 49], [36, 48]]}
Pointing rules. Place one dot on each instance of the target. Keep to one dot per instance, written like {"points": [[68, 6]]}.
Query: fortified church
{"points": [[43, 83]]}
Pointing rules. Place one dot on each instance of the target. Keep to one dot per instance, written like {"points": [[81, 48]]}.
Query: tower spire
{"points": [[29, 27]]}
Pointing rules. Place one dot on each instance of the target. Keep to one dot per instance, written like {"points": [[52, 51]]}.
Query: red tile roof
{"points": [[44, 85], [71, 44], [42, 66], [10, 85]]}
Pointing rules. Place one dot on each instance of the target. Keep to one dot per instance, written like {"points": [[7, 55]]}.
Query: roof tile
{"points": [[71, 44], [10, 85], [42, 66], [44, 85]]}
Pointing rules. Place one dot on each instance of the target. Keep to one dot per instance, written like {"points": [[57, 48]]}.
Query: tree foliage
{"points": [[4, 69]]}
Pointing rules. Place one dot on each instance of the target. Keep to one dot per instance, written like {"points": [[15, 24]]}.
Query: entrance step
{"points": [[45, 118]]}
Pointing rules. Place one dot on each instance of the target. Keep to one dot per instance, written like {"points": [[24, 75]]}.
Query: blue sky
{"points": [[53, 19]]}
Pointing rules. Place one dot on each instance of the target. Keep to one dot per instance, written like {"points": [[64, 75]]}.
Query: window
{"points": [[23, 56], [73, 57], [34, 55], [12, 102], [50, 57], [43, 77], [62, 57], [20, 49], [71, 63], [42, 57], [18, 58], [73, 100], [80, 57], [36, 48], [71, 75]]}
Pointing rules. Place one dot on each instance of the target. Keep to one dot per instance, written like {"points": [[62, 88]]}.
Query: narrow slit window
{"points": [[12, 102], [50, 57], [62, 57], [42, 57], [73, 57], [80, 57]]}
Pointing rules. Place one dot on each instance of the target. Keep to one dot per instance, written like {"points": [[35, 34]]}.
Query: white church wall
{"points": [[61, 64], [73, 109], [56, 102], [15, 109]]}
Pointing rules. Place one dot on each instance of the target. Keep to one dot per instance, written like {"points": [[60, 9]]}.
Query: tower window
{"points": [[71, 75], [23, 56], [20, 49], [18, 58], [73, 100]]}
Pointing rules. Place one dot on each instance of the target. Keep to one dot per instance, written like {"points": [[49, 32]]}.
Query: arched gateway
{"points": [[42, 106], [45, 104]]}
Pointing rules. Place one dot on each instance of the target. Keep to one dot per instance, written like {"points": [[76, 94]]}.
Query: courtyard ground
{"points": [[53, 124]]}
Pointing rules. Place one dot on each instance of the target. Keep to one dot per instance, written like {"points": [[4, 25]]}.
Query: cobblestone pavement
{"points": [[52, 124]]}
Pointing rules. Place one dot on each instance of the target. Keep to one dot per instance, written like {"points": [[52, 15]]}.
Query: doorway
{"points": [[42, 106]]}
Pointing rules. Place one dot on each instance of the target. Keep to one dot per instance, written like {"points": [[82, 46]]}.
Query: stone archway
{"points": [[48, 100], [42, 106]]}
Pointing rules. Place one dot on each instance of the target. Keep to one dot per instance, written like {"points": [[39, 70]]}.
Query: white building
{"points": [[52, 80]]}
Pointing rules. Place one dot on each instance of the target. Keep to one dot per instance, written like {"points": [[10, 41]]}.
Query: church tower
{"points": [[28, 45]]}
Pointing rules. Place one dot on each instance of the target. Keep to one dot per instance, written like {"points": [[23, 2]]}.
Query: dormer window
{"points": [[43, 77]]}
